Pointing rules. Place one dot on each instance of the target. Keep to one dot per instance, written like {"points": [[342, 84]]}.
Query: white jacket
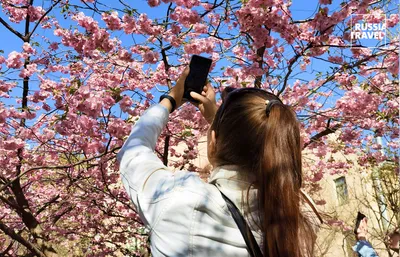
{"points": [[185, 215]]}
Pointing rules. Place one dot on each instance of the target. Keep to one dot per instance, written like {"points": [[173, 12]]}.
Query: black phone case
{"points": [[197, 77]]}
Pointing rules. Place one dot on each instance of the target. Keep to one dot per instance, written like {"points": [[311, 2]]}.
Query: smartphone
{"points": [[197, 78]]}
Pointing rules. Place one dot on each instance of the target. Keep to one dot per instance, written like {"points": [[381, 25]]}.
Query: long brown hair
{"points": [[267, 144]]}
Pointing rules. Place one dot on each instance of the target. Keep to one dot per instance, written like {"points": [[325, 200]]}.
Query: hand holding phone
{"points": [[197, 78], [207, 103]]}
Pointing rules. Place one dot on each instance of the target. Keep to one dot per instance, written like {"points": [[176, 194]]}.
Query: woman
{"points": [[393, 240], [254, 147], [363, 248]]}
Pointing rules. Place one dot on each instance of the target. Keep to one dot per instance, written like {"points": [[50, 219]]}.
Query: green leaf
{"points": [[65, 8], [116, 94]]}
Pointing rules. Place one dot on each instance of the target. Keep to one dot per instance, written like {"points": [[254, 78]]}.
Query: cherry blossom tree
{"points": [[75, 76]]}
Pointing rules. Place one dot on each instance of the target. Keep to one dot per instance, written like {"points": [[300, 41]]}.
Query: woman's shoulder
{"points": [[208, 194]]}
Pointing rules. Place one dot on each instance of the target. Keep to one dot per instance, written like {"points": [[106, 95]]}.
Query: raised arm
{"points": [[144, 176]]}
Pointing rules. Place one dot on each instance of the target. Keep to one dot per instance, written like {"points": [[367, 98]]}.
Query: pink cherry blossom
{"points": [[112, 20], [153, 3], [150, 57], [13, 144], [393, 20], [35, 13], [335, 59], [16, 14], [129, 24], [28, 48], [14, 60], [86, 22], [185, 16], [28, 71], [325, 1]]}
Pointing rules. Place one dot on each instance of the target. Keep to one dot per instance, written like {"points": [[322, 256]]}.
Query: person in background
{"points": [[253, 144], [393, 240], [363, 248]]}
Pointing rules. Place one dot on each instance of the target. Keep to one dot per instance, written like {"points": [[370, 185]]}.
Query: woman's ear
{"points": [[212, 144]]}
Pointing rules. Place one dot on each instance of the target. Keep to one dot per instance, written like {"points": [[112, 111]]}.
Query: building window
{"points": [[341, 190]]}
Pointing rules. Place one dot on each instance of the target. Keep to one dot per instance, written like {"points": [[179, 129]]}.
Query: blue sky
{"points": [[301, 9]]}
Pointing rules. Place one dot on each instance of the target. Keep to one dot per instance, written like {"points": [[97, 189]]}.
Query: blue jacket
{"points": [[364, 249]]}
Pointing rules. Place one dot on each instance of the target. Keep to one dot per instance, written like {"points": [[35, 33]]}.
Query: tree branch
{"points": [[56, 167], [53, 200], [290, 68], [166, 64], [29, 35], [7, 249], [260, 54], [11, 29], [321, 134], [10, 232], [166, 146]]}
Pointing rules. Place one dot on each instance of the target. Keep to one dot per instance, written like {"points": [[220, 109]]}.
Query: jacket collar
{"points": [[231, 176], [234, 183]]}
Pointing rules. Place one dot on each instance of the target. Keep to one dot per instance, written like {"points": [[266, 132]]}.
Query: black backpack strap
{"points": [[252, 247]]}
